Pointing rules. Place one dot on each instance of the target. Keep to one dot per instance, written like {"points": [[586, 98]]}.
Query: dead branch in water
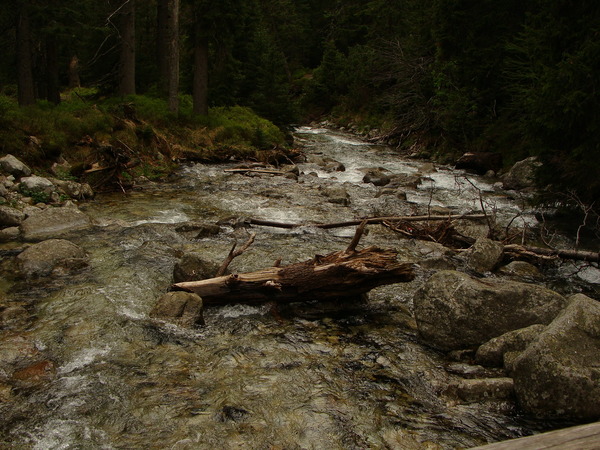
{"points": [[371, 220]]}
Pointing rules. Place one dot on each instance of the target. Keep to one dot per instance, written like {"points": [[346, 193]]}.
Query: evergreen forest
{"points": [[442, 76]]}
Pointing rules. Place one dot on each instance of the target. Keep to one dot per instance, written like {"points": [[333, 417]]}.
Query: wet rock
{"points": [[492, 352], [522, 174], [10, 217], [54, 255], [480, 162], [521, 270], [201, 229], [181, 308], [559, 373], [482, 389], [337, 195], [484, 255], [404, 180], [396, 192], [10, 164], [378, 177], [455, 311], [334, 166], [54, 222], [193, 266]]}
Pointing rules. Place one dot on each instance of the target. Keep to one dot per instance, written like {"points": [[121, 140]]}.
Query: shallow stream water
{"points": [[307, 376]]}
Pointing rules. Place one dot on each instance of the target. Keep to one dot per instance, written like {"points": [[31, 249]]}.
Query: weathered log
{"points": [[339, 274], [577, 255], [371, 220]]}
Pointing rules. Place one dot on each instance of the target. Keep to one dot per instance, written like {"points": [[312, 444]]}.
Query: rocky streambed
{"points": [[476, 349]]}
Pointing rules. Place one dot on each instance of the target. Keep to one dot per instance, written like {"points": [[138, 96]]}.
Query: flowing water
{"points": [[306, 376]]}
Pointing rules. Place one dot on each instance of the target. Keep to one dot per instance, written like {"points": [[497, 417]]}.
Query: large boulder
{"points": [[10, 217], [54, 222], [455, 311], [480, 162], [522, 175], [184, 309], [51, 256], [559, 374], [13, 166]]}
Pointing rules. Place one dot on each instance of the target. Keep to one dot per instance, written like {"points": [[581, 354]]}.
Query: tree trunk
{"points": [[173, 60], [53, 93], [73, 73], [25, 83], [127, 60], [340, 274], [162, 45], [200, 89]]}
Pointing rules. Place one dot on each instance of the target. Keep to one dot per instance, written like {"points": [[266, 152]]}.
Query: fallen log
{"points": [[371, 220], [265, 171], [339, 274], [577, 255]]}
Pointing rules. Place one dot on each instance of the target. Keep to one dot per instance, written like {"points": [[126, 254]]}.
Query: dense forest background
{"points": [[516, 77]]}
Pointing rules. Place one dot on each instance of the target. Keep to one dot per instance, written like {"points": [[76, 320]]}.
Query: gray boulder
{"points": [[522, 175], [10, 217], [51, 256], [181, 308], [455, 311], [484, 255], [559, 374], [13, 166], [193, 266], [493, 352], [54, 222], [36, 184]]}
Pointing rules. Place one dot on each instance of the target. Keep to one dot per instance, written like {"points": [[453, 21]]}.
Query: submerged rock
{"points": [[559, 374], [455, 311], [54, 255], [54, 222], [181, 308]]}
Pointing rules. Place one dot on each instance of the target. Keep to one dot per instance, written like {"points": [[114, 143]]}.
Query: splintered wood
{"points": [[347, 273]]}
